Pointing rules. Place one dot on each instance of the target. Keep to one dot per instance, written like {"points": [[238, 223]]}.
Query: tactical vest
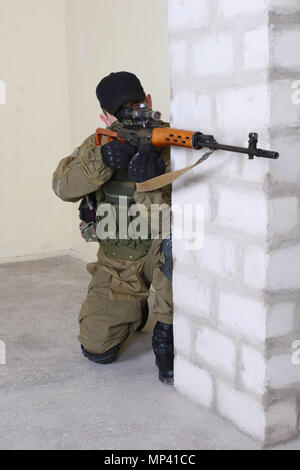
{"points": [[129, 248]]}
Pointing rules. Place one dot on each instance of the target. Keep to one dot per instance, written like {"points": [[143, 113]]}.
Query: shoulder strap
{"points": [[167, 178]]}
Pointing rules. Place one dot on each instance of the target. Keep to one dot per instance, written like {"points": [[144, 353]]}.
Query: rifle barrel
{"points": [[251, 152], [200, 140]]}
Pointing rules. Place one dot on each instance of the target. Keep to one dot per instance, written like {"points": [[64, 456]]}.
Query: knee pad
{"points": [[105, 358], [166, 249]]}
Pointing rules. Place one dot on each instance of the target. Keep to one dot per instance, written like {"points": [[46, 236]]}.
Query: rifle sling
{"points": [[167, 178]]}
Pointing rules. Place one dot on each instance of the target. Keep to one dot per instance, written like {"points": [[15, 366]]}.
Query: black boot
{"points": [[163, 347], [105, 358]]}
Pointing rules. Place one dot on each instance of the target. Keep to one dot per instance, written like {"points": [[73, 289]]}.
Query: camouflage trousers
{"points": [[116, 294]]}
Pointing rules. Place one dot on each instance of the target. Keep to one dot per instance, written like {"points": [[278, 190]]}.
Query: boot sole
{"points": [[104, 358], [166, 380]]}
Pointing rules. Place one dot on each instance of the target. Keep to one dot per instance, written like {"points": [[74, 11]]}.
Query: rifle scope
{"points": [[138, 112]]}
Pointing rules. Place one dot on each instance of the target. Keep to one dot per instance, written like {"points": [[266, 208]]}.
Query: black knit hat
{"points": [[117, 88]]}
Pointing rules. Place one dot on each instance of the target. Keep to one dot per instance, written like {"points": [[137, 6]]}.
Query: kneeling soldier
{"points": [[116, 303]]}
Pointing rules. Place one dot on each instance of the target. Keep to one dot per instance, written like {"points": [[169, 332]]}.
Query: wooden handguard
{"points": [[164, 136]]}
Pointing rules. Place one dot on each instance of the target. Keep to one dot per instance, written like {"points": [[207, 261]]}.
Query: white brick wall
{"points": [[178, 58], [183, 334], [245, 211], [281, 421], [255, 172], [193, 193], [255, 266], [190, 295], [233, 65], [195, 111], [283, 111], [286, 49], [255, 58], [242, 315], [284, 268], [253, 370], [229, 9], [220, 164], [282, 6], [281, 372], [283, 216], [243, 410], [217, 255], [286, 169], [213, 55], [180, 158], [280, 319], [216, 349], [247, 106], [193, 381], [185, 15]]}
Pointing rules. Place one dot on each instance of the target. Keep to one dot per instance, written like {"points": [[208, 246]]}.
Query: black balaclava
{"points": [[117, 88]]}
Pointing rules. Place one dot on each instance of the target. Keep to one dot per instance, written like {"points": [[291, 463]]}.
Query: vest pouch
{"points": [[110, 193]]}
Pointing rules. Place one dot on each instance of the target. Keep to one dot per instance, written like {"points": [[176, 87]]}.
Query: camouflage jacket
{"points": [[84, 172]]}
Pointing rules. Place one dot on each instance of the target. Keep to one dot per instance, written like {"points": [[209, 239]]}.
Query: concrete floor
{"points": [[51, 397]]}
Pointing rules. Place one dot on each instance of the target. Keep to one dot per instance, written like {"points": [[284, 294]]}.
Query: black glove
{"points": [[117, 155], [146, 164]]}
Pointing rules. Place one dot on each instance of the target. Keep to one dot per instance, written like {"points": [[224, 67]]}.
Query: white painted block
{"points": [[283, 215], [218, 255], [185, 15], [284, 110], [247, 107], [287, 168], [244, 411], [190, 295], [213, 55], [256, 44], [281, 420], [280, 319], [253, 370], [282, 372], [220, 164], [229, 9], [216, 349], [255, 170], [191, 110], [255, 266], [297, 322], [284, 268], [242, 315], [179, 159], [245, 211], [178, 51], [282, 6], [285, 52], [194, 382], [182, 334], [195, 192]]}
